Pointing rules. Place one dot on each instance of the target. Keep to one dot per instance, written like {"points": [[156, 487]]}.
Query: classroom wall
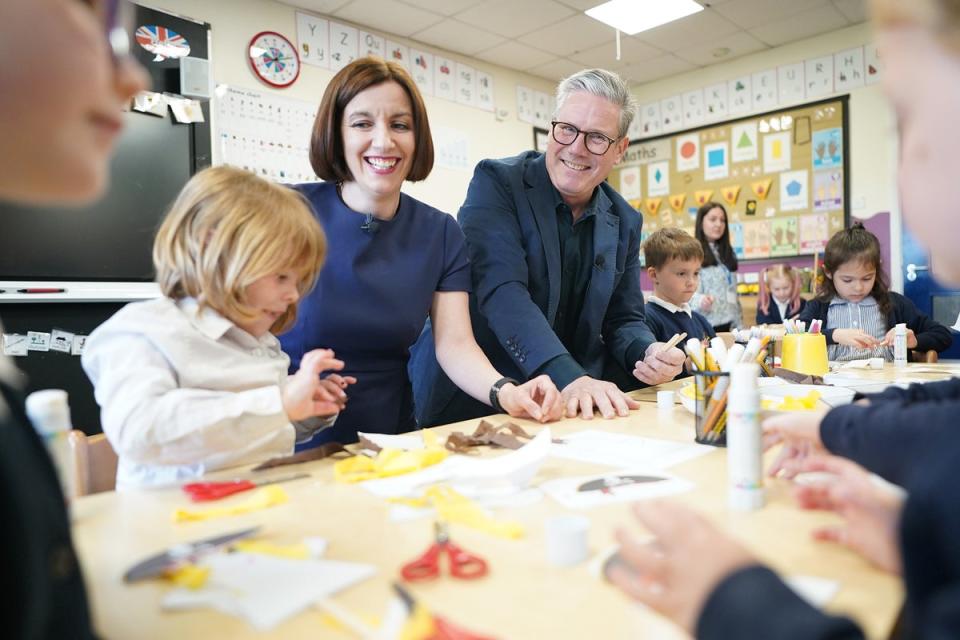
{"points": [[234, 22], [872, 149]]}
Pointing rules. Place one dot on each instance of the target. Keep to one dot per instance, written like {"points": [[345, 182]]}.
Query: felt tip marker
{"points": [[41, 290]]}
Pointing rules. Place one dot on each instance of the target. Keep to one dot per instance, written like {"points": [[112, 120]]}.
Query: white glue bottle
{"points": [[900, 345], [744, 448], [49, 412]]}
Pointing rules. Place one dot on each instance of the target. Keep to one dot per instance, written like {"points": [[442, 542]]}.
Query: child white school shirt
{"points": [[184, 392]]}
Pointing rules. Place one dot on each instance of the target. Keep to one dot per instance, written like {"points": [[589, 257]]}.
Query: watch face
{"points": [[274, 59]]}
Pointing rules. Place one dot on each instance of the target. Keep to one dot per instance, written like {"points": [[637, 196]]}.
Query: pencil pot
{"points": [[711, 407], [805, 353]]}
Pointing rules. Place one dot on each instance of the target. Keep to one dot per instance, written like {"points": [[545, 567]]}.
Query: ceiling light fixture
{"points": [[634, 16]]}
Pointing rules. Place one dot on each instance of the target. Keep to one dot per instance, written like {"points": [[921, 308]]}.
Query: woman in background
{"points": [[716, 298]]}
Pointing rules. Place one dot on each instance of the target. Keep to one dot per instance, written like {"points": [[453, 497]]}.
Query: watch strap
{"points": [[495, 392]]}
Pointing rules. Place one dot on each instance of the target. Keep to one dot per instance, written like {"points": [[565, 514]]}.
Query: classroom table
{"points": [[522, 597]]}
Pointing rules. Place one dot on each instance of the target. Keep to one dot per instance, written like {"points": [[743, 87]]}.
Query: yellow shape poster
{"points": [[703, 197], [762, 188], [731, 193], [677, 200]]}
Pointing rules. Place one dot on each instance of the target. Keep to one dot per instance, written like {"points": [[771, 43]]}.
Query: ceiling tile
{"points": [[740, 43], [820, 19], [556, 70], [752, 13], [649, 70], [605, 56], [694, 28], [388, 16], [318, 6], [853, 10], [445, 7], [577, 33], [581, 5], [511, 18], [515, 55], [456, 36]]}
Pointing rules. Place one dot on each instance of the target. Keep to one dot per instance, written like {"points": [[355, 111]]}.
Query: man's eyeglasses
{"points": [[596, 142]]}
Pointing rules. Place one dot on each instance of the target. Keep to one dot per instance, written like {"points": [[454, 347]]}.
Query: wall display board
{"points": [[782, 176]]}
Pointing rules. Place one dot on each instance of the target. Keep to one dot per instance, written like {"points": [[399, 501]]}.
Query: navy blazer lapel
{"points": [[606, 239], [541, 197]]}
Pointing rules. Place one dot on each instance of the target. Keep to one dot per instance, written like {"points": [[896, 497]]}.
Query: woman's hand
{"points": [[676, 572], [306, 395], [870, 509], [537, 399], [799, 433], [856, 338]]}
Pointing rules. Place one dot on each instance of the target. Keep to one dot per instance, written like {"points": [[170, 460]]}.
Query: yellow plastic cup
{"points": [[805, 353]]}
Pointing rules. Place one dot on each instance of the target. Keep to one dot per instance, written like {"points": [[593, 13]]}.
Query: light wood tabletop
{"points": [[522, 597]]}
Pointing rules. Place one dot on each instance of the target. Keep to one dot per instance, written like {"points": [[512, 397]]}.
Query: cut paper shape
{"points": [[744, 142], [784, 237], [751, 209], [591, 491], [652, 205], [162, 42], [702, 197], [776, 152], [762, 188], [717, 161], [658, 178], [688, 152], [731, 194], [756, 239], [624, 451], [262, 498], [794, 190], [677, 200]]}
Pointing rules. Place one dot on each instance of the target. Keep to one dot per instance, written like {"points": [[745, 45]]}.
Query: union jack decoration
{"points": [[162, 42]]}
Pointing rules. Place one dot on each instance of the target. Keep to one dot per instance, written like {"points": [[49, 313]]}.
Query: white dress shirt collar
{"points": [[672, 308]]}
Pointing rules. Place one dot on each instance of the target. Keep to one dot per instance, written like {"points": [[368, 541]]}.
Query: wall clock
{"points": [[274, 59]]}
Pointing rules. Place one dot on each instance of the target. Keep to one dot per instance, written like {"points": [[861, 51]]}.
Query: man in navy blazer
{"points": [[554, 253]]}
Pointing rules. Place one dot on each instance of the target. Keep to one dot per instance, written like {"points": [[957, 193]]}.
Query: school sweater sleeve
{"points": [[771, 317], [930, 333], [817, 310], [891, 439], [755, 603], [935, 391]]}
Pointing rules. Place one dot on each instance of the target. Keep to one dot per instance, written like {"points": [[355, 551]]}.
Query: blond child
{"points": [[673, 260], [195, 381], [779, 297]]}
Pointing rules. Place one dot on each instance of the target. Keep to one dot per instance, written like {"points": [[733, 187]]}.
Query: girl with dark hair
{"points": [[858, 310], [716, 297]]}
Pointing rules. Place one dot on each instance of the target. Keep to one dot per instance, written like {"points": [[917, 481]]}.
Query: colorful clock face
{"points": [[274, 59]]}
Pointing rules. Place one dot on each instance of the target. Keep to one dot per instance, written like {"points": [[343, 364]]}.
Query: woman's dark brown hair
{"points": [[326, 142], [854, 244], [727, 255]]}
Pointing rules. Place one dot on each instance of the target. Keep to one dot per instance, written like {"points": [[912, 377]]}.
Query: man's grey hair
{"points": [[602, 83]]}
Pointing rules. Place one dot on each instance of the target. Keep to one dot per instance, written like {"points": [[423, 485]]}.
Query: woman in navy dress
{"points": [[393, 261]]}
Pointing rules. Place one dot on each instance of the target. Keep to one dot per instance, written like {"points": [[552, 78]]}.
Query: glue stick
{"points": [[744, 450], [900, 345]]}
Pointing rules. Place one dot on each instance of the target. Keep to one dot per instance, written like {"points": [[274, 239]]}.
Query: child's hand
{"points": [[891, 335], [855, 338], [870, 509], [306, 395], [799, 433], [706, 303]]}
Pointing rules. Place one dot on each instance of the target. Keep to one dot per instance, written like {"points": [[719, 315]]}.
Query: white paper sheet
{"points": [[406, 441], [623, 486], [266, 590], [817, 591], [622, 451]]}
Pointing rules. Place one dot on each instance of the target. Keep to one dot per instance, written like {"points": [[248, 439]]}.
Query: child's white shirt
{"points": [[184, 392], [782, 307]]}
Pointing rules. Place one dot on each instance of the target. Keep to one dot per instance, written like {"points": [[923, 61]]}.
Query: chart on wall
{"points": [[782, 177]]}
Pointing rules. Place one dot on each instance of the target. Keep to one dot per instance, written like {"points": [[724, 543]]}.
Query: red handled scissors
{"points": [[463, 565], [207, 491]]}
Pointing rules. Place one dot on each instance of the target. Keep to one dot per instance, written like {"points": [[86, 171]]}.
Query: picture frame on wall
{"points": [[540, 138]]}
